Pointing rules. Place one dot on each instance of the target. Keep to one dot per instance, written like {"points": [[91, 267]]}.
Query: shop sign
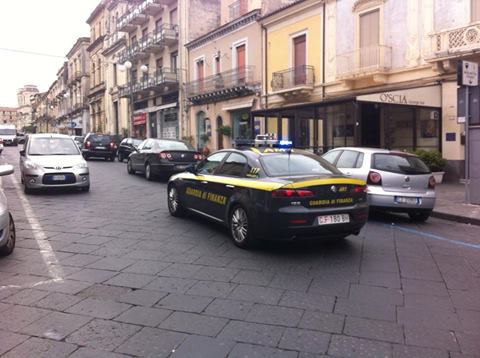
{"points": [[424, 96], [468, 73], [139, 119]]}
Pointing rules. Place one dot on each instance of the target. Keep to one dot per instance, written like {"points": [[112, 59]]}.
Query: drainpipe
{"points": [[265, 59], [323, 50]]}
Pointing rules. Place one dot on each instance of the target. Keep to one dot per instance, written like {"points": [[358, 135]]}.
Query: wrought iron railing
{"points": [[238, 77], [163, 76], [365, 60], [113, 39], [458, 39], [299, 76]]}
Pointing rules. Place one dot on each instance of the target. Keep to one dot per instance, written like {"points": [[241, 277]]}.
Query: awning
{"points": [[242, 105], [156, 108], [430, 96]]}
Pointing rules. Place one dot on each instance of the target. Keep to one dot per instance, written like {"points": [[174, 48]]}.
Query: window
{"points": [[348, 159], [114, 74], [209, 165], [159, 64], [217, 65], [174, 17], [200, 70], [300, 59], [158, 25], [144, 34], [369, 38], [233, 166], [296, 164], [475, 10], [332, 156], [399, 163], [173, 61]]}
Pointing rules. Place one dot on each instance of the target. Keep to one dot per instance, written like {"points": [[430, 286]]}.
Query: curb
{"points": [[457, 218]]}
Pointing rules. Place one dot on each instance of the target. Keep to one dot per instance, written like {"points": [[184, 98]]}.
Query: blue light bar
{"points": [[285, 143]]}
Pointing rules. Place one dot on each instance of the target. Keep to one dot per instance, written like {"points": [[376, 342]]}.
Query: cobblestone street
{"points": [[110, 273]]}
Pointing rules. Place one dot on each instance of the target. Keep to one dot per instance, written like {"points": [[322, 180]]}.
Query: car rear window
{"points": [[97, 138], [398, 163], [276, 165], [172, 145]]}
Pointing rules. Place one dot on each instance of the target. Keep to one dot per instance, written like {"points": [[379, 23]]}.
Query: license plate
{"points": [[100, 148], [59, 177], [333, 219], [181, 167], [407, 200]]}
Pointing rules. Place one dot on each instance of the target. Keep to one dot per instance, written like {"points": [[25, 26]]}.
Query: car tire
{"points": [[130, 168], [7, 249], [241, 228], [86, 189], [26, 189], [148, 172], [86, 157], [120, 157], [419, 216], [175, 207]]}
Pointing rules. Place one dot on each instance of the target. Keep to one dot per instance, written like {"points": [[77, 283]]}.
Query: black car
{"points": [[271, 194], [20, 138], [127, 146], [162, 158], [97, 145]]}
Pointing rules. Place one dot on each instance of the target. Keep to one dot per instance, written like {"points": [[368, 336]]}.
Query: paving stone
{"points": [[180, 270], [152, 342], [211, 289], [144, 316], [371, 310], [253, 277], [469, 343], [65, 286], [131, 280], [9, 340], [467, 300], [80, 260], [147, 267], [98, 308], [374, 329], [380, 279], [95, 353], [204, 347], [330, 287], [187, 303], [142, 297], [229, 308], [41, 348], [257, 294], [255, 333], [103, 335], [170, 284], [243, 350], [92, 275], [351, 347], [373, 294], [219, 261], [26, 297], [401, 351], [56, 325], [428, 318], [310, 301], [211, 273], [290, 282], [104, 292], [79, 248], [19, 317], [281, 316], [112, 263], [194, 324], [431, 338], [321, 321], [470, 320], [428, 302], [304, 340]]}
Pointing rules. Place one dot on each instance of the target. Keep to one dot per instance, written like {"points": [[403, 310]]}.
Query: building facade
{"points": [[9, 115], [24, 96]]}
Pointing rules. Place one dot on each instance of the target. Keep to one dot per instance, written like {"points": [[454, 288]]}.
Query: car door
{"points": [[135, 157], [221, 186], [197, 188], [143, 153], [350, 164]]}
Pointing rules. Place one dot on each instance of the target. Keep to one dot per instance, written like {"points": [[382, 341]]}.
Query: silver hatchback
{"points": [[397, 181], [52, 161]]}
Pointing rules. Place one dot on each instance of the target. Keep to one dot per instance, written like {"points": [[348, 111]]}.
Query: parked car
{"points": [[7, 225], [52, 161], [1, 145], [127, 146], [79, 140], [162, 158], [20, 138], [8, 133], [98, 145], [397, 181]]}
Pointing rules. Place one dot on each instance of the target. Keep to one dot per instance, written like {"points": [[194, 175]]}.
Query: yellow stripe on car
{"points": [[326, 181]]}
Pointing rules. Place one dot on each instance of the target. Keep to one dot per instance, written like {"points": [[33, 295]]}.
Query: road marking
{"points": [[433, 236], [48, 255]]}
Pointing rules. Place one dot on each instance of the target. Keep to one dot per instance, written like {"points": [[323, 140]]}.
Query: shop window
{"points": [[428, 123], [340, 126], [241, 125], [398, 124]]}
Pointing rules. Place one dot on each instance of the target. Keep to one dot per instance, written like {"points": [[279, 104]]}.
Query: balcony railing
{"points": [[151, 7], [163, 79], [364, 61], [133, 18], [233, 83], [237, 9], [113, 39], [455, 41], [293, 78]]}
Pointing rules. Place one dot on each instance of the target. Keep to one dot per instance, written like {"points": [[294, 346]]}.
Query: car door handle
{"points": [[204, 182], [230, 186], [348, 174]]}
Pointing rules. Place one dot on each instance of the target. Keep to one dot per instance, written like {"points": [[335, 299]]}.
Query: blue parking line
{"points": [[433, 236]]}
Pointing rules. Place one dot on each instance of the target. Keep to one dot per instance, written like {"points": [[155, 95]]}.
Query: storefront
{"points": [[139, 125], [403, 120]]}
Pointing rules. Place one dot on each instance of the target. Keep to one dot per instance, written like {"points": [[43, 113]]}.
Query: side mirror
{"points": [[6, 169], [192, 168], [22, 153]]}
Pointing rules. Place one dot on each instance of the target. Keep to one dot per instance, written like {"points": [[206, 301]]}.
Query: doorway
{"points": [[370, 119], [152, 118]]}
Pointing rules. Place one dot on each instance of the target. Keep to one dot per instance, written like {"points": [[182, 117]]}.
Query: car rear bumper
{"points": [[169, 169], [379, 198], [98, 153]]}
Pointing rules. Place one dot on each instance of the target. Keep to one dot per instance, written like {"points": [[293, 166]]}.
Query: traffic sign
{"points": [[469, 73]]}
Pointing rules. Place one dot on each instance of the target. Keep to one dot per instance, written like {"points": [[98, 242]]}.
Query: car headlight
{"points": [[81, 165], [30, 165]]}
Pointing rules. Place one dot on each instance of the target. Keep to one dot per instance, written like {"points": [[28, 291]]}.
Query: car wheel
{"points": [[148, 172], [175, 207], [86, 157], [120, 157], [419, 216], [130, 168], [86, 188], [241, 228], [26, 189], [7, 249]]}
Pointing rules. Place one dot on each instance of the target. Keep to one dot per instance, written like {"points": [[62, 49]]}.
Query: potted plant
{"points": [[225, 130], [435, 162], [205, 138]]}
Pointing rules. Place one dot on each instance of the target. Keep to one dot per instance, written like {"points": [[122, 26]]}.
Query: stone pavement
{"points": [[451, 205]]}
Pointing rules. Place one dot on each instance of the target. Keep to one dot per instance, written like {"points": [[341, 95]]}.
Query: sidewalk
{"points": [[451, 205]]}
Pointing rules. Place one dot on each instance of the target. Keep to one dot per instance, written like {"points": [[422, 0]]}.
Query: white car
{"points": [[1, 146], [7, 226], [52, 161]]}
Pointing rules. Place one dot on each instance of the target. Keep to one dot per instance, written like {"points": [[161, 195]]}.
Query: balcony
{"points": [[164, 80], [372, 62], [151, 7], [294, 81], [229, 84], [136, 51], [113, 39], [455, 42], [130, 20]]}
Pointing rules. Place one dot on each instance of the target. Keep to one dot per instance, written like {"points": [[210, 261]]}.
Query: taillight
{"points": [[165, 155], [291, 193], [431, 182], [87, 144], [374, 178], [113, 145], [197, 156], [359, 189]]}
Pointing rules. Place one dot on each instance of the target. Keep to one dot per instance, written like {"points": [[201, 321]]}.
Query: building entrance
{"points": [[370, 114]]}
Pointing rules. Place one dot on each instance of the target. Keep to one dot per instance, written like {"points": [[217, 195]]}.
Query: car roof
{"points": [[49, 135], [368, 150], [263, 151]]}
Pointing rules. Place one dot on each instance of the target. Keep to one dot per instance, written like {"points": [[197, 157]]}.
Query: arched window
{"points": [[201, 129]]}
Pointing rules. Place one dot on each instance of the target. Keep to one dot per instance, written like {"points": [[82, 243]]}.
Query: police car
{"points": [[270, 193]]}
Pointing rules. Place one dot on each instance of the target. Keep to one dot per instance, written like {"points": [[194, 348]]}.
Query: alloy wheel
{"points": [[173, 200], [239, 225]]}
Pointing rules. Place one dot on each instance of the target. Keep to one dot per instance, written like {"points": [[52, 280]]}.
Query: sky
{"points": [[41, 26]]}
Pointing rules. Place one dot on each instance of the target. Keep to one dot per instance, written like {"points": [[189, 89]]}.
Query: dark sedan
{"points": [[127, 146], [162, 158]]}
